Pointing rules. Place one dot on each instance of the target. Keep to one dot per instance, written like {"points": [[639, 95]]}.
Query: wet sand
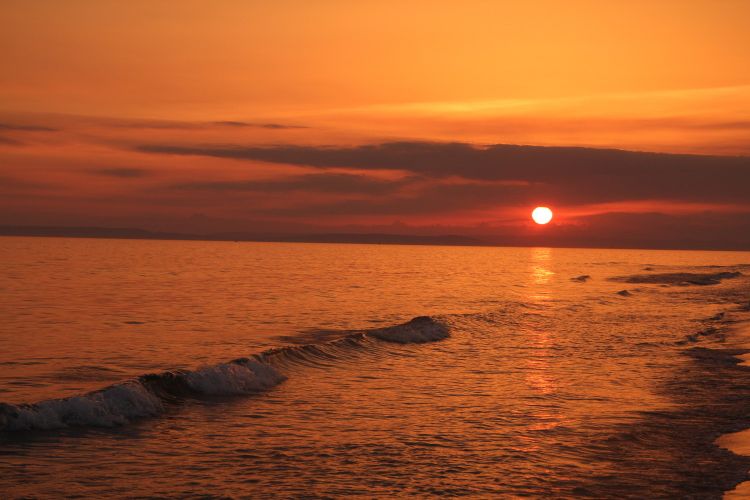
{"points": [[739, 442]]}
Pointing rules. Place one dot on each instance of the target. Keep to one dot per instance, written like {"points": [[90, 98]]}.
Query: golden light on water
{"points": [[541, 215]]}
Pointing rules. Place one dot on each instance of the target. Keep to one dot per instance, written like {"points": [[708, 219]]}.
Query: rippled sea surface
{"points": [[173, 369]]}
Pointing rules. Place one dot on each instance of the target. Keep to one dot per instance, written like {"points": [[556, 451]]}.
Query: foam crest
{"points": [[238, 377], [148, 395], [682, 279], [419, 330], [144, 397], [115, 405]]}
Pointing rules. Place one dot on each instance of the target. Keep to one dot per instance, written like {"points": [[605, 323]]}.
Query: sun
{"points": [[541, 215]]}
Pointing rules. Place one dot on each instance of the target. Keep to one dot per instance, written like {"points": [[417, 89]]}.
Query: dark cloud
{"points": [[564, 174], [13, 183], [734, 125], [430, 198], [189, 125], [26, 128], [279, 126], [707, 230], [327, 183], [9, 142], [153, 124], [124, 173]]}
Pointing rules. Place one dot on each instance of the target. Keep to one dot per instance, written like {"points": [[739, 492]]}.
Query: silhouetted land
{"points": [[369, 238], [135, 233]]}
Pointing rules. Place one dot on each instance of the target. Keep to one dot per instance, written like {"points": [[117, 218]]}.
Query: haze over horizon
{"points": [[422, 119]]}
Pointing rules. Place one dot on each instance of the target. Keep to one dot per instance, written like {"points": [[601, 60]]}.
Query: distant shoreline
{"points": [[343, 238], [143, 234]]}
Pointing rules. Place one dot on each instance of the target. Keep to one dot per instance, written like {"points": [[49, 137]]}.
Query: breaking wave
{"points": [[680, 279], [149, 395]]}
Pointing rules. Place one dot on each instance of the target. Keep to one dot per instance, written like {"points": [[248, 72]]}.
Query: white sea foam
{"points": [[680, 278], [115, 405], [147, 395], [419, 330], [121, 403], [240, 377]]}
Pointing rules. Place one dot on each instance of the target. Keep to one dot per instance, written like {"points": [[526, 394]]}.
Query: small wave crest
{"points": [[145, 396], [115, 405], [417, 331], [681, 279], [238, 377], [149, 395]]}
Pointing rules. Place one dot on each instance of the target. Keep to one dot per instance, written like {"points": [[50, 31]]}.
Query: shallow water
{"points": [[547, 385]]}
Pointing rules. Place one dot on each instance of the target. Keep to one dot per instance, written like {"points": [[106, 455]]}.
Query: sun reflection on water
{"points": [[540, 273], [538, 373]]}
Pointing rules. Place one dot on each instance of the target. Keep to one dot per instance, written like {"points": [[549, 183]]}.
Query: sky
{"points": [[630, 119]]}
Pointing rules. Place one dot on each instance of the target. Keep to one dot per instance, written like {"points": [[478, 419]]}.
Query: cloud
{"points": [[652, 230], [425, 198], [10, 142], [571, 175], [743, 125], [326, 183], [26, 128], [279, 126], [15, 184], [124, 173], [193, 125]]}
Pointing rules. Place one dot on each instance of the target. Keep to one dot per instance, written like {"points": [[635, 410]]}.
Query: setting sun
{"points": [[541, 215]]}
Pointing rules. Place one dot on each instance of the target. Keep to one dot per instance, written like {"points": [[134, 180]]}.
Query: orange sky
{"points": [[93, 93]]}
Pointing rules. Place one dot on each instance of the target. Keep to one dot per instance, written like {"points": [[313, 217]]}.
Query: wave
{"points": [[681, 279], [149, 395], [710, 332], [417, 331]]}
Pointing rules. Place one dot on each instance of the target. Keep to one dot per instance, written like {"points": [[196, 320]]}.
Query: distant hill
{"points": [[135, 233]]}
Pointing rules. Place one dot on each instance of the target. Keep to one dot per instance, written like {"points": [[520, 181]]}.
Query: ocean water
{"points": [[177, 369]]}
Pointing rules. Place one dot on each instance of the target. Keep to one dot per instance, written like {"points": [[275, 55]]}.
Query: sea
{"points": [[195, 369]]}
